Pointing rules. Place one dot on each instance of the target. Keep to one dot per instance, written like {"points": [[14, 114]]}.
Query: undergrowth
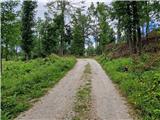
{"points": [[83, 97], [23, 82], [138, 78]]}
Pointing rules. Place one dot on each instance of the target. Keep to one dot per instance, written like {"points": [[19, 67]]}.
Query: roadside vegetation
{"points": [[138, 78], [83, 97], [25, 81], [120, 33]]}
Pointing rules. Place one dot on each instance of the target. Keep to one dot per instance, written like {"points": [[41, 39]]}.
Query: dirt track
{"points": [[107, 104]]}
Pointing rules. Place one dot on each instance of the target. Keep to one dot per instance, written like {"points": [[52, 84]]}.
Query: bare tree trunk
{"points": [[39, 40], [6, 52], [1, 50], [16, 52], [139, 32], [61, 52], [129, 30], [26, 56], [139, 40], [129, 39], [118, 31], [134, 6], [147, 22]]}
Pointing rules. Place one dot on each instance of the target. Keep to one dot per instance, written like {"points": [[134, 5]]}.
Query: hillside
{"points": [[137, 77]]}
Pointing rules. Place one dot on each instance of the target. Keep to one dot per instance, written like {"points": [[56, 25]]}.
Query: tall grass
{"points": [[23, 82], [139, 83], [82, 104]]}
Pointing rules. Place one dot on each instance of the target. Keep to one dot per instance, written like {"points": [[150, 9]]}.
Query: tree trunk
{"points": [[1, 58], [129, 39], [62, 29], [134, 7], [16, 53], [2, 51], [129, 29], [139, 32], [39, 40], [27, 56], [118, 31], [139, 40], [6, 52], [147, 22]]}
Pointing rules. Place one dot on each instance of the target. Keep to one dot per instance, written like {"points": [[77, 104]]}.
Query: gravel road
{"points": [[107, 104]]}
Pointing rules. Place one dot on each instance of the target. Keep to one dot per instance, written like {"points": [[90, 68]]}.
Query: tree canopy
{"points": [[71, 27]]}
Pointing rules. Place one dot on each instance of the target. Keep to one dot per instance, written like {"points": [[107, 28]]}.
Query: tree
{"points": [[93, 25], [50, 34], [10, 27], [54, 7], [37, 52], [79, 26], [133, 17], [65, 9], [68, 39], [121, 11], [28, 13], [104, 27]]}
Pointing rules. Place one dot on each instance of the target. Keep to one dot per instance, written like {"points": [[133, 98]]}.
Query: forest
{"points": [[36, 52]]}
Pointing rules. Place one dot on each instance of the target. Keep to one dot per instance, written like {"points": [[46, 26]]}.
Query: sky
{"points": [[41, 8], [41, 5]]}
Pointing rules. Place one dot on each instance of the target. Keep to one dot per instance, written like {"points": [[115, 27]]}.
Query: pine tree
{"points": [[104, 27], [10, 27], [28, 13], [50, 35], [78, 42]]}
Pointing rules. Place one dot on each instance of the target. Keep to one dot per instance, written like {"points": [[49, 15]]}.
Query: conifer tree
{"points": [[28, 13]]}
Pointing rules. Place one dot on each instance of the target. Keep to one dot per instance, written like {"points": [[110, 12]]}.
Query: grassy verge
{"points": [[23, 82], [139, 80], [83, 97]]}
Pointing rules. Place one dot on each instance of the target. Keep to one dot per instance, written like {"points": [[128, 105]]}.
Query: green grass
{"points": [[83, 97], [23, 82], [139, 80]]}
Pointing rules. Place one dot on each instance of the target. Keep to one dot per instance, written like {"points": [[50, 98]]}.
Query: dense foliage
{"points": [[24, 81], [10, 29], [138, 79], [27, 27], [80, 23], [133, 19], [69, 28]]}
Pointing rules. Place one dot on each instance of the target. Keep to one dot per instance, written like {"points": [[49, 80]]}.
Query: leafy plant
{"points": [[25, 81], [140, 85]]}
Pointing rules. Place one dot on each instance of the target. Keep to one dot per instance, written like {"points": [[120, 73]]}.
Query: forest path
{"points": [[107, 104]]}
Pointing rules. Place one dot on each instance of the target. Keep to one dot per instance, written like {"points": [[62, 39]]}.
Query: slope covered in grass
{"points": [[138, 78], [23, 82]]}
